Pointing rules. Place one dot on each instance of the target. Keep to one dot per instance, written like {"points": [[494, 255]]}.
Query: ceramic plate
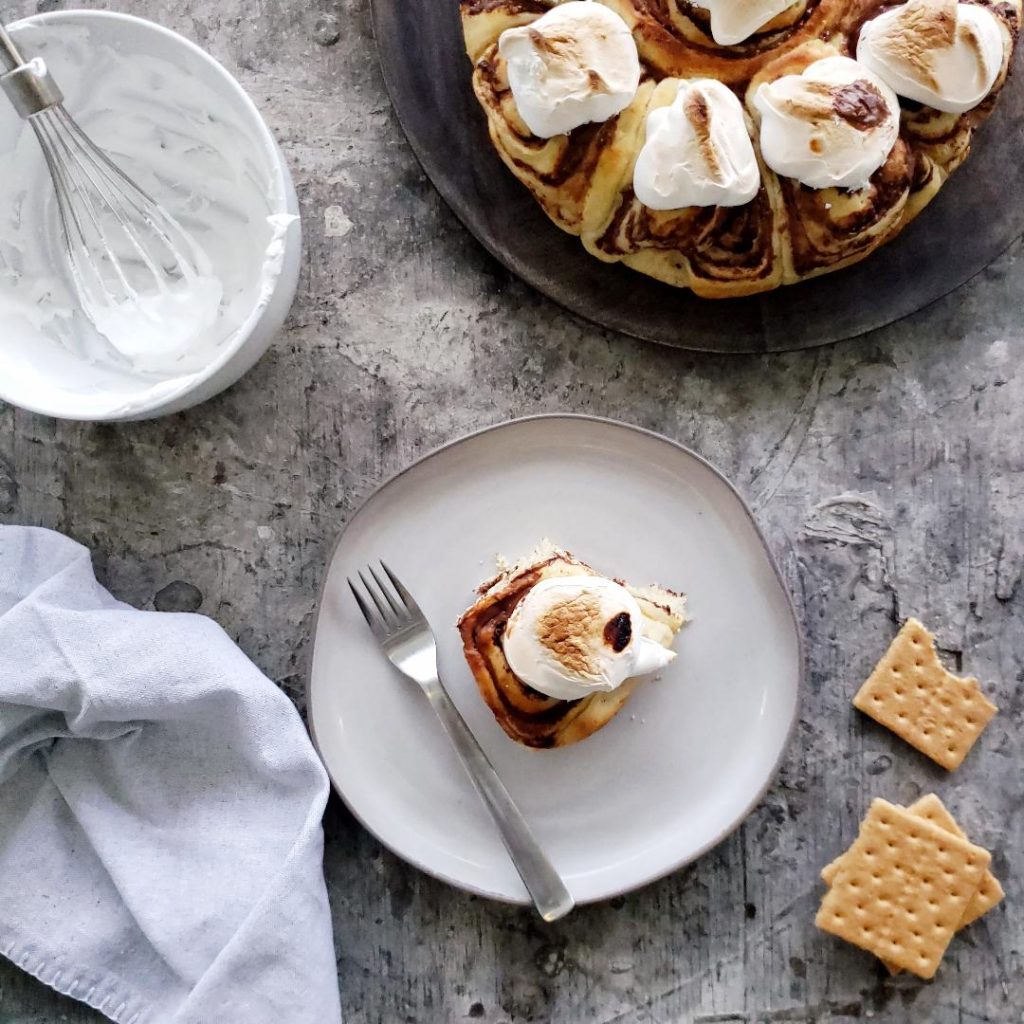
{"points": [[694, 749]]}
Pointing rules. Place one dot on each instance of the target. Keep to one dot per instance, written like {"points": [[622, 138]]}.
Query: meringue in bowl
{"points": [[180, 125]]}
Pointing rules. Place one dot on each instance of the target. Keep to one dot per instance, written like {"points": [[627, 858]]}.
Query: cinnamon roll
{"points": [[731, 146], [730, 248], [556, 649], [677, 38]]}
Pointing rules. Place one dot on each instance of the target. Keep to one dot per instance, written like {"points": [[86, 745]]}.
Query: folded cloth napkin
{"points": [[161, 852]]}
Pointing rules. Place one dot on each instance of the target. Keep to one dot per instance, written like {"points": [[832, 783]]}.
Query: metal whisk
{"points": [[121, 246]]}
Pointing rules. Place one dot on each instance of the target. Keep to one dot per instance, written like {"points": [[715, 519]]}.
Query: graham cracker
{"points": [[990, 892], [902, 888], [911, 693], [931, 808]]}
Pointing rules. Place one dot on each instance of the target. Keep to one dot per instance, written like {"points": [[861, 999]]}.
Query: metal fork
{"points": [[408, 642]]}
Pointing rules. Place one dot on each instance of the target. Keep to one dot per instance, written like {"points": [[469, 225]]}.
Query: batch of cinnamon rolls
{"points": [[732, 146]]}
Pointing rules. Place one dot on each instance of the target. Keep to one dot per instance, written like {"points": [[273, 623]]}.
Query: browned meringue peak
{"points": [[941, 53], [832, 126], [576, 64], [733, 21], [697, 151]]}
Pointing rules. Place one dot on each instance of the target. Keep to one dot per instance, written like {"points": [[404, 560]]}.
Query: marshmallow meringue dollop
{"points": [[831, 127], [697, 151], [733, 21], [940, 53], [571, 636], [575, 64]]}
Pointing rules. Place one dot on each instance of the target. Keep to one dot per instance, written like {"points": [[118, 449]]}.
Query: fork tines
{"points": [[394, 604]]}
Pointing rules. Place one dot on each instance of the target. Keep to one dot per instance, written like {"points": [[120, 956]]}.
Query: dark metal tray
{"points": [[976, 216]]}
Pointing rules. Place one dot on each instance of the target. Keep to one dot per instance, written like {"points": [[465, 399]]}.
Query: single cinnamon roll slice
{"points": [[556, 649]]}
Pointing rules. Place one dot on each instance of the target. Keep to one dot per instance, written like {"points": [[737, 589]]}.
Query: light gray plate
{"points": [[692, 752]]}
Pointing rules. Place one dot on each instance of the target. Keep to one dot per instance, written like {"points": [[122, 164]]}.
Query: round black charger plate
{"points": [[975, 217]]}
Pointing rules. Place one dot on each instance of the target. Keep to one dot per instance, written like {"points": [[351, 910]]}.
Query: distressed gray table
{"points": [[888, 473]]}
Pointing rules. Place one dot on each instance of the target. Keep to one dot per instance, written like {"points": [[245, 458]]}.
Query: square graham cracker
{"points": [[990, 892], [902, 889], [911, 693], [932, 809]]}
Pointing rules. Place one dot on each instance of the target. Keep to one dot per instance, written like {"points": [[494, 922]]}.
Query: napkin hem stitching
{"points": [[114, 1000]]}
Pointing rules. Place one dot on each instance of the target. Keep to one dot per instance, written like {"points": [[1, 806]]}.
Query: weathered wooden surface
{"points": [[888, 473]]}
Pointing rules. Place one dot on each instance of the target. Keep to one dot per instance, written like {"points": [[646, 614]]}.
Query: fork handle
{"points": [[547, 889]]}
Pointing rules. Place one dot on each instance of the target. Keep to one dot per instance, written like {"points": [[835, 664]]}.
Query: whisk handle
{"points": [[28, 84], [10, 55]]}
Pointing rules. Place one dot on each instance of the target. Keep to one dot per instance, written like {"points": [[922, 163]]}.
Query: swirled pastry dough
{"points": [[795, 225]]}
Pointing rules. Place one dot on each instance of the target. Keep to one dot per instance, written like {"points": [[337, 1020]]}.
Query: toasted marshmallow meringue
{"points": [[831, 127], [940, 53], [697, 151], [732, 21], [572, 636], [576, 64]]}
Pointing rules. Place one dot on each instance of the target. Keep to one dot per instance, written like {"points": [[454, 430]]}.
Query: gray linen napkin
{"points": [[160, 803]]}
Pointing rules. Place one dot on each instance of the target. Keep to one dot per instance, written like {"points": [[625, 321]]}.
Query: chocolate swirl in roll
{"points": [[832, 226], [558, 171], [674, 37], [483, 21], [704, 247]]}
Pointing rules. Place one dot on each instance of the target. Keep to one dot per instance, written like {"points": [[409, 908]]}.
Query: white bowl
{"points": [[45, 376]]}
